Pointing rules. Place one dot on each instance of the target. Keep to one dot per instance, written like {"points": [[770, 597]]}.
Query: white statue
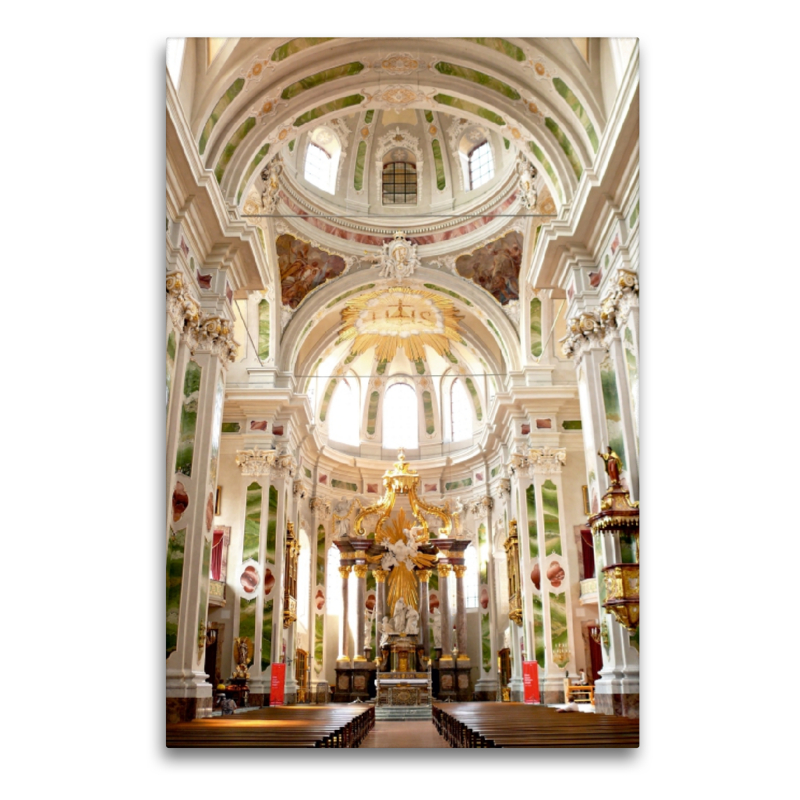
{"points": [[458, 518], [437, 627], [342, 512], [386, 631], [412, 622], [401, 551], [399, 616]]}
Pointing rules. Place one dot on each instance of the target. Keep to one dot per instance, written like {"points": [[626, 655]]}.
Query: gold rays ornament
{"points": [[402, 582], [400, 316]]}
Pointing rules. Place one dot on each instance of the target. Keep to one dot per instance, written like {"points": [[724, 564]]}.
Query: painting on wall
{"points": [[495, 267], [303, 267]]}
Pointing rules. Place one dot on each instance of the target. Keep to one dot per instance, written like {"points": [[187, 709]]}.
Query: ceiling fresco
{"points": [[495, 267], [303, 267]]}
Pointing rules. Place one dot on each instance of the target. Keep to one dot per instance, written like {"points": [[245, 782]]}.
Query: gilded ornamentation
{"points": [[360, 570], [622, 594], [402, 480], [345, 571], [444, 570], [511, 546], [398, 95], [585, 332], [399, 258], [424, 575], [459, 570], [381, 574], [400, 317]]}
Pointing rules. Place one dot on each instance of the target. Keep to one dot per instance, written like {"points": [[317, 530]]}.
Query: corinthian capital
{"points": [[181, 306], [547, 460], [586, 332], [215, 335], [320, 506], [480, 508], [616, 306], [255, 462]]}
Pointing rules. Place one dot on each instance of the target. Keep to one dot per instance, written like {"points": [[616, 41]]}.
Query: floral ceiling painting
{"points": [[303, 267], [495, 267]]}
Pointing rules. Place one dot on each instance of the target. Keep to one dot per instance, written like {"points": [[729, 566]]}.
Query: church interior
{"points": [[402, 377]]}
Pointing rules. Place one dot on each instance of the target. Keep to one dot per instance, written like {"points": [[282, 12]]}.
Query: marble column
{"points": [[380, 605], [199, 391], [461, 609], [290, 681], [617, 351], [361, 595], [344, 632], [444, 605], [424, 610]]}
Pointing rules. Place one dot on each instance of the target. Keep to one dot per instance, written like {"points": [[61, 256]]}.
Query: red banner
{"points": [[530, 681], [276, 684]]}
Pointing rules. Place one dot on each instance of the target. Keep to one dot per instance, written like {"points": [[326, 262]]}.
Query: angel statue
{"points": [[412, 622]]}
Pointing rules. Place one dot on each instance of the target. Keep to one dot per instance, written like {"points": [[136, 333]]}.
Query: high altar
{"points": [[401, 553]]}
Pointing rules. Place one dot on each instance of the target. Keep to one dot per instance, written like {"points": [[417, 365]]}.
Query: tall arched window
{"points": [[343, 415], [460, 413], [399, 178], [322, 159], [481, 165], [400, 417]]}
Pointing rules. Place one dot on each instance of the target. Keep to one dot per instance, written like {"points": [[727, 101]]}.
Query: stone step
{"points": [[403, 712]]}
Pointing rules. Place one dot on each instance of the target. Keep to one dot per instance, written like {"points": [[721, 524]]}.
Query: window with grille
{"points": [[481, 165], [399, 183]]}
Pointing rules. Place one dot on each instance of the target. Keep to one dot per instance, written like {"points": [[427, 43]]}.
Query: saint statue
{"points": [[399, 616], [437, 628], [386, 630], [412, 622], [613, 465], [342, 514]]}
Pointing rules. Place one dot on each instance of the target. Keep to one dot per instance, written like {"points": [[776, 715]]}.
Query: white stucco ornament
{"points": [[399, 258]]}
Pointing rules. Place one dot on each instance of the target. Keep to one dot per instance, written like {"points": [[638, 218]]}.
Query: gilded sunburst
{"points": [[400, 317]]}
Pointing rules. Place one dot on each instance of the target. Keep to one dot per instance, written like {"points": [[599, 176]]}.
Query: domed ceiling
{"points": [[393, 286]]}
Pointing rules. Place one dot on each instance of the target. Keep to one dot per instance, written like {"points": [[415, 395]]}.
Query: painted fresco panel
{"points": [[272, 523], [538, 630], [191, 393], [558, 619], [495, 267], [303, 267], [266, 635], [613, 414], [533, 532], [170, 362], [536, 327], [486, 644], [552, 532], [252, 522], [263, 329], [175, 552]]}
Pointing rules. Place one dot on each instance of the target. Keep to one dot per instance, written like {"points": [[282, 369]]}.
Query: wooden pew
{"points": [[288, 726], [520, 725]]}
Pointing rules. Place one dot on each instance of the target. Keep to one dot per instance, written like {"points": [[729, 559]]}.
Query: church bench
{"points": [[277, 727], [519, 725]]}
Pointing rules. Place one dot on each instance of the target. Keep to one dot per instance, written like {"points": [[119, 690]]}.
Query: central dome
{"points": [[378, 167]]}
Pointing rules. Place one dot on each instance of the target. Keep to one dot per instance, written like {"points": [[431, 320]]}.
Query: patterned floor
{"points": [[404, 733]]}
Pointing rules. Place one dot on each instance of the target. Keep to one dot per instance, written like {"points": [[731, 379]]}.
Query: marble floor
{"points": [[404, 733]]}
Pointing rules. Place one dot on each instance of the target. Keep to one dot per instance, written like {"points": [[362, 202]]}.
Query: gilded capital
{"points": [[320, 506], [459, 570], [360, 570], [345, 572], [424, 575], [444, 570], [380, 574]]}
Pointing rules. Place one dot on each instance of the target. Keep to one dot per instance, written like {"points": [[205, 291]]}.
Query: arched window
{"points": [[343, 415], [400, 417], [322, 159], [471, 577], [481, 165], [399, 178], [460, 413]]}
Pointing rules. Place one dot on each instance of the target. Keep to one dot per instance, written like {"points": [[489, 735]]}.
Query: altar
{"points": [[402, 554]]}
